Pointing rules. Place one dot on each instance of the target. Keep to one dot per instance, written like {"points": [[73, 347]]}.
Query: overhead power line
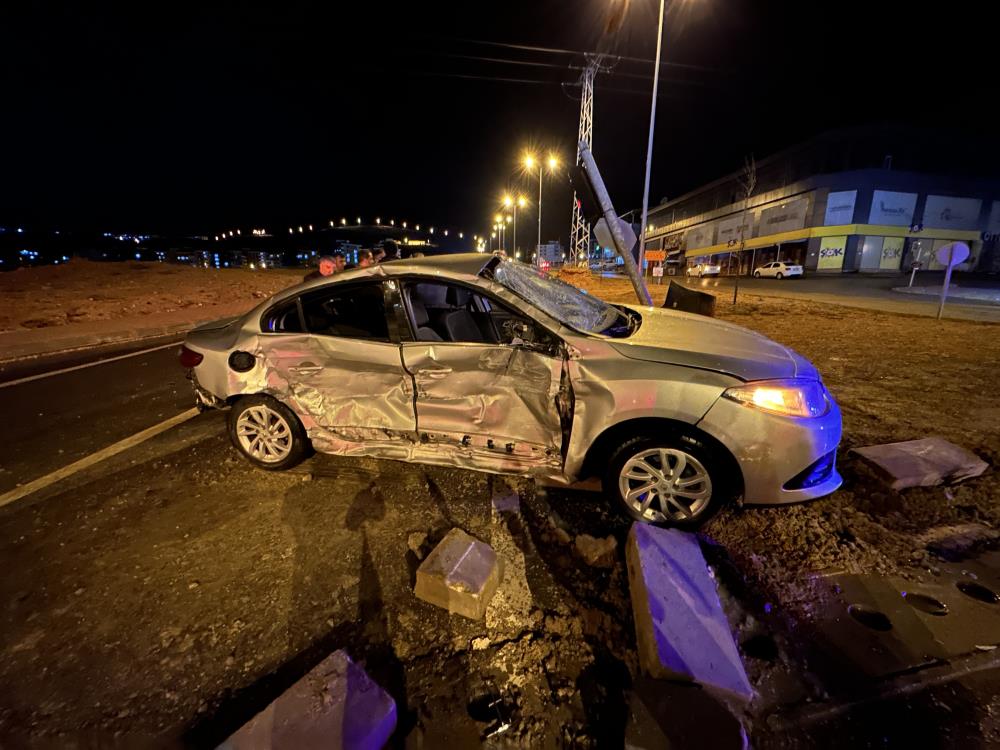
{"points": [[579, 53]]}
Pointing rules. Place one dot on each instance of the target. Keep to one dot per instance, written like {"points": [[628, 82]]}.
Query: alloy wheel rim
{"points": [[665, 484], [264, 434]]}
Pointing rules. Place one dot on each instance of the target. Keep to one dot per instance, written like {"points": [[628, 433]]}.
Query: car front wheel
{"points": [[667, 481], [267, 433]]}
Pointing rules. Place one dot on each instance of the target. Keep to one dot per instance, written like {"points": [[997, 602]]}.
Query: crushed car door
{"points": [[486, 378], [341, 372]]}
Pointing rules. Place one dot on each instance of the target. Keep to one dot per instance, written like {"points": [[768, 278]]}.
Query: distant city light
{"points": [[378, 219], [432, 230], [359, 220], [343, 222], [310, 227], [461, 236], [445, 232], [392, 222]]}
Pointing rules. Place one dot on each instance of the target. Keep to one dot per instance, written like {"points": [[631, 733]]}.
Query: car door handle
{"points": [[435, 373], [306, 368]]}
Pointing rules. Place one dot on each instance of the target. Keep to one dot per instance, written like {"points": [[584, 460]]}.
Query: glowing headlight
{"points": [[790, 398]]}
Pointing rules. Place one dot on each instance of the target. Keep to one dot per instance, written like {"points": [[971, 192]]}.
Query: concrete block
{"points": [[681, 630], [336, 706], [923, 463], [461, 575], [867, 630]]}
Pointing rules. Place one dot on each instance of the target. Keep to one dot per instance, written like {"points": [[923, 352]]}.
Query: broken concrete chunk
{"points": [[415, 542], [922, 463], [461, 575], [506, 505], [336, 706], [599, 553], [681, 630]]}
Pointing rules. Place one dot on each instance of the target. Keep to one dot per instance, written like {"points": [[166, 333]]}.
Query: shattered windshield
{"points": [[566, 303]]}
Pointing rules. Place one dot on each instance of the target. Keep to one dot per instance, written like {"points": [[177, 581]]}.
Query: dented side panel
{"points": [[492, 407], [352, 396]]}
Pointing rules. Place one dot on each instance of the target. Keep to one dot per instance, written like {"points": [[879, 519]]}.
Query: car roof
{"points": [[459, 263]]}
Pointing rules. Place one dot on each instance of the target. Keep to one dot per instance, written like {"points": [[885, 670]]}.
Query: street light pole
{"points": [[538, 246], [649, 146], [514, 238]]}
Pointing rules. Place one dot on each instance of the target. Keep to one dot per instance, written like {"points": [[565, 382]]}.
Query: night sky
{"points": [[193, 118]]}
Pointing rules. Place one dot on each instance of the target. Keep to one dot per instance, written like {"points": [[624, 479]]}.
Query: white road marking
{"points": [[88, 364], [42, 482]]}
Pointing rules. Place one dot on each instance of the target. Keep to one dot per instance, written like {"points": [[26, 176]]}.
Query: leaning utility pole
{"points": [[579, 236]]}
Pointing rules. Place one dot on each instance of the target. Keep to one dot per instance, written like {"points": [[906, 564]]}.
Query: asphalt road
{"points": [[56, 420]]}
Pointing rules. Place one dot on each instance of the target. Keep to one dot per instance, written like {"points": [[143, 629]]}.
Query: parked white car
{"points": [[777, 270], [703, 269]]}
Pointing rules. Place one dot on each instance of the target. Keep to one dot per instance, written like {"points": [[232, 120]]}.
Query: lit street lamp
{"points": [[529, 164]]}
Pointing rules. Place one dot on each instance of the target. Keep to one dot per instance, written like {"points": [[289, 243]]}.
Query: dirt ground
{"points": [[83, 291], [173, 593]]}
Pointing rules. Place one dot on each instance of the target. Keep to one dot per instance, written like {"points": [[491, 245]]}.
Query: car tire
{"points": [[756, 274], [700, 462], [779, 275], [282, 448]]}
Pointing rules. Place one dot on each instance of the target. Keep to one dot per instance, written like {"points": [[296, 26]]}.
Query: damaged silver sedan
{"points": [[479, 362]]}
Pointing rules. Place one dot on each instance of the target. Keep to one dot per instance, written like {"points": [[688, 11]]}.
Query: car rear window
{"points": [[354, 311], [282, 318]]}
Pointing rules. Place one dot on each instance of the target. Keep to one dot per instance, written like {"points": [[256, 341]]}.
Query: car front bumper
{"points": [[774, 452]]}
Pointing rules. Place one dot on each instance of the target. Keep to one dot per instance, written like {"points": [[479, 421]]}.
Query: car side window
{"points": [[282, 318], [441, 311], [354, 311]]}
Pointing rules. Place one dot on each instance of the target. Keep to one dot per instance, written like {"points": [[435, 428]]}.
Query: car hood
{"points": [[679, 338]]}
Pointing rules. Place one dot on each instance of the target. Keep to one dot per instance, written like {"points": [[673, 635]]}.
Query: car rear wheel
{"points": [[674, 481], [756, 274], [779, 275], [267, 433]]}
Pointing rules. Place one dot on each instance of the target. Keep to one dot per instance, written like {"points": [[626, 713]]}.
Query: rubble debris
{"points": [[415, 542], [559, 528], [956, 541], [922, 463], [336, 705], [681, 631], [461, 575], [598, 553]]}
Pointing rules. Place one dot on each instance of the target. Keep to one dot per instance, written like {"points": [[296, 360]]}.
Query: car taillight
{"points": [[190, 358]]}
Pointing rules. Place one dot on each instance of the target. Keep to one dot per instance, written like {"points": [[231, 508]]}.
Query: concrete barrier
{"points": [[681, 630], [336, 706]]}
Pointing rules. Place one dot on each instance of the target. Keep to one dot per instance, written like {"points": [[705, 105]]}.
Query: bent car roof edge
{"points": [[456, 265]]}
